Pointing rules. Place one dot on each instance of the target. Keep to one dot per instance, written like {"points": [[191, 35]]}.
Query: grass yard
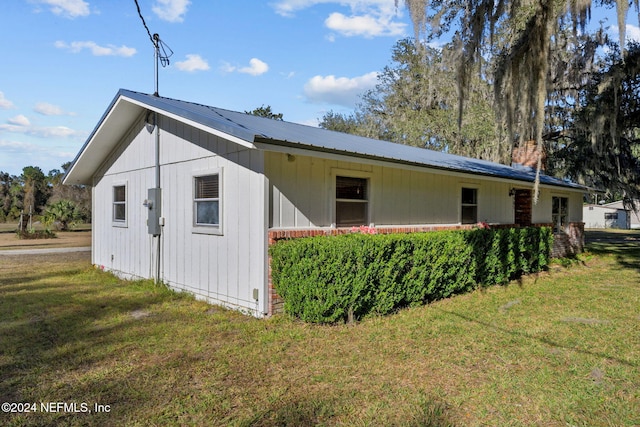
{"points": [[560, 349]]}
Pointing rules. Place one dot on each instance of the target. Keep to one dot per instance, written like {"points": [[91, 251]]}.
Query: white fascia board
{"points": [[194, 124]]}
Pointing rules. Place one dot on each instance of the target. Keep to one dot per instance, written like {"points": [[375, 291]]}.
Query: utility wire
{"points": [[144, 23], [156, 41]]}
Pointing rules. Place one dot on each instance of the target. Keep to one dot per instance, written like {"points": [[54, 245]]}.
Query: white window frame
{"points": [[346, 173], [214, 229], [120, 222], [556, 218], [463, 205]]}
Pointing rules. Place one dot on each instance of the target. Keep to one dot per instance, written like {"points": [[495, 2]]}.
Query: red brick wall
{"points": [[570, 243]]}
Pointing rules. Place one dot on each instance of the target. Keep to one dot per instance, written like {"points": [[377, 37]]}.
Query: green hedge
{"points": [[328, 279]]}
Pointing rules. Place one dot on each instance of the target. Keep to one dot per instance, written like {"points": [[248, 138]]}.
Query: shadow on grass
{"points": [[623, 245], [55, 324], [546, 341], [312, 412]]}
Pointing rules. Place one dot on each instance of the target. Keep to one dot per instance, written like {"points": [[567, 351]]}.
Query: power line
{"points": [[158, 44], [144, 23]]}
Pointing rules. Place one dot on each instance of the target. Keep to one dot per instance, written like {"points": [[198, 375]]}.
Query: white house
{"points": [[195, 201], [633, 220], [606, 216]]}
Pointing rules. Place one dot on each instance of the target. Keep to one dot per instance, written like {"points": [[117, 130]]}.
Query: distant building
{"points": [[606, 216], [634, 217]]}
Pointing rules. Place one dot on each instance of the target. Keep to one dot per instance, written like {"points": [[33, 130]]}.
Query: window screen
{"points": [[207, 200], [120, 203], [469, 211], [351, 201]]}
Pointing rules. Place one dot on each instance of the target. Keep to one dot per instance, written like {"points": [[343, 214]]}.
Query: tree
{"points": [[79, 195], [414, 103], [521, 38], [599, 148], [263, 111], [340, 122], [35, 189], [64, 212]]}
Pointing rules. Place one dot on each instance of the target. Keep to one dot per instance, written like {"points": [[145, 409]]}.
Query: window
{"points": [[469, 212], [352, 203], [611, 216], [207, 200], [559, 213], [120, 204]]}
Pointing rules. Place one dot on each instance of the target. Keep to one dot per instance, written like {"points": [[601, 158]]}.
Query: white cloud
{"points": [[632, 33], [339, 90], [68, 8], [256, 67], [171, 10], [364, 25], [368, 18], [19, 120], [5, 104], [18, 125], [193, 63], [96, 50], [19, 154], [47, 109]]}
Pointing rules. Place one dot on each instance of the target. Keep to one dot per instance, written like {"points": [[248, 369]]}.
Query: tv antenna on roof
{"points": [[158, 46]]}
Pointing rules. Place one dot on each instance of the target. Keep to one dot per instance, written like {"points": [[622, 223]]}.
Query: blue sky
{"points": [[64, 61]]}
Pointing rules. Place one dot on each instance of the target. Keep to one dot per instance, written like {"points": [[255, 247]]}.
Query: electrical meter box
{"points": [[153, 203]]}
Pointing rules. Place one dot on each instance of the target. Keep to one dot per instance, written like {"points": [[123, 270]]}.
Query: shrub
{"points": [[329, 279]]}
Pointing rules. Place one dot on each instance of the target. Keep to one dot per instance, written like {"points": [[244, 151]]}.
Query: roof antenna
{"points": [[158, 45]]}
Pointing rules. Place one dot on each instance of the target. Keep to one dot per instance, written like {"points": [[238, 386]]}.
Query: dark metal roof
{"points": [[265, 132]]}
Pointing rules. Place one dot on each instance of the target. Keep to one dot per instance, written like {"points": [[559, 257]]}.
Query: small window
{"points": [[207, 200], [352, 203], [611, 216], [120, 204], [559, 213], [469, 211]]}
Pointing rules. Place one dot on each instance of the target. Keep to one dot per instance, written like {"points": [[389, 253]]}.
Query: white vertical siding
{"points": [[124, 250], [222, 268], [300, 190], [542, 210]]}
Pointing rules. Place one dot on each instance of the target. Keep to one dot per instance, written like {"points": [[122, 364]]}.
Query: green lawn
{"points": [[559, 349]]}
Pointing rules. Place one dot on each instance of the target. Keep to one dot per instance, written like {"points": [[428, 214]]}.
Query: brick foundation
{"points": [[569, 243], [564, 244]]}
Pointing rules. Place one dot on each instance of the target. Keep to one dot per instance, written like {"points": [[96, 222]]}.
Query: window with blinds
{"points": [[207, 200], [352, 203]]}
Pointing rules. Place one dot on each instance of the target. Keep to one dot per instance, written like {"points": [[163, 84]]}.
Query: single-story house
{"points": [[633, 216], [193, 195], [606, 216]]}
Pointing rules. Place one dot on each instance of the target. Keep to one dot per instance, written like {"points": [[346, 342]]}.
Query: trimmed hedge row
{"points": [[327, 279]]}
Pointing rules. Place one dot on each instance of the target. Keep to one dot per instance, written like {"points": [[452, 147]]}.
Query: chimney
{"points": [[526, 156]]}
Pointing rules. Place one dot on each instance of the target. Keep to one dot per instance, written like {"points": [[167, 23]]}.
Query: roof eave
{"points": [[263, 143]]}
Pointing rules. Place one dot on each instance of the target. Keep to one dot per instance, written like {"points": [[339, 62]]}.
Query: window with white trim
{"points": [[352, 202], [469, 209], [119, 213], [206, 201], [559, 213]]}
